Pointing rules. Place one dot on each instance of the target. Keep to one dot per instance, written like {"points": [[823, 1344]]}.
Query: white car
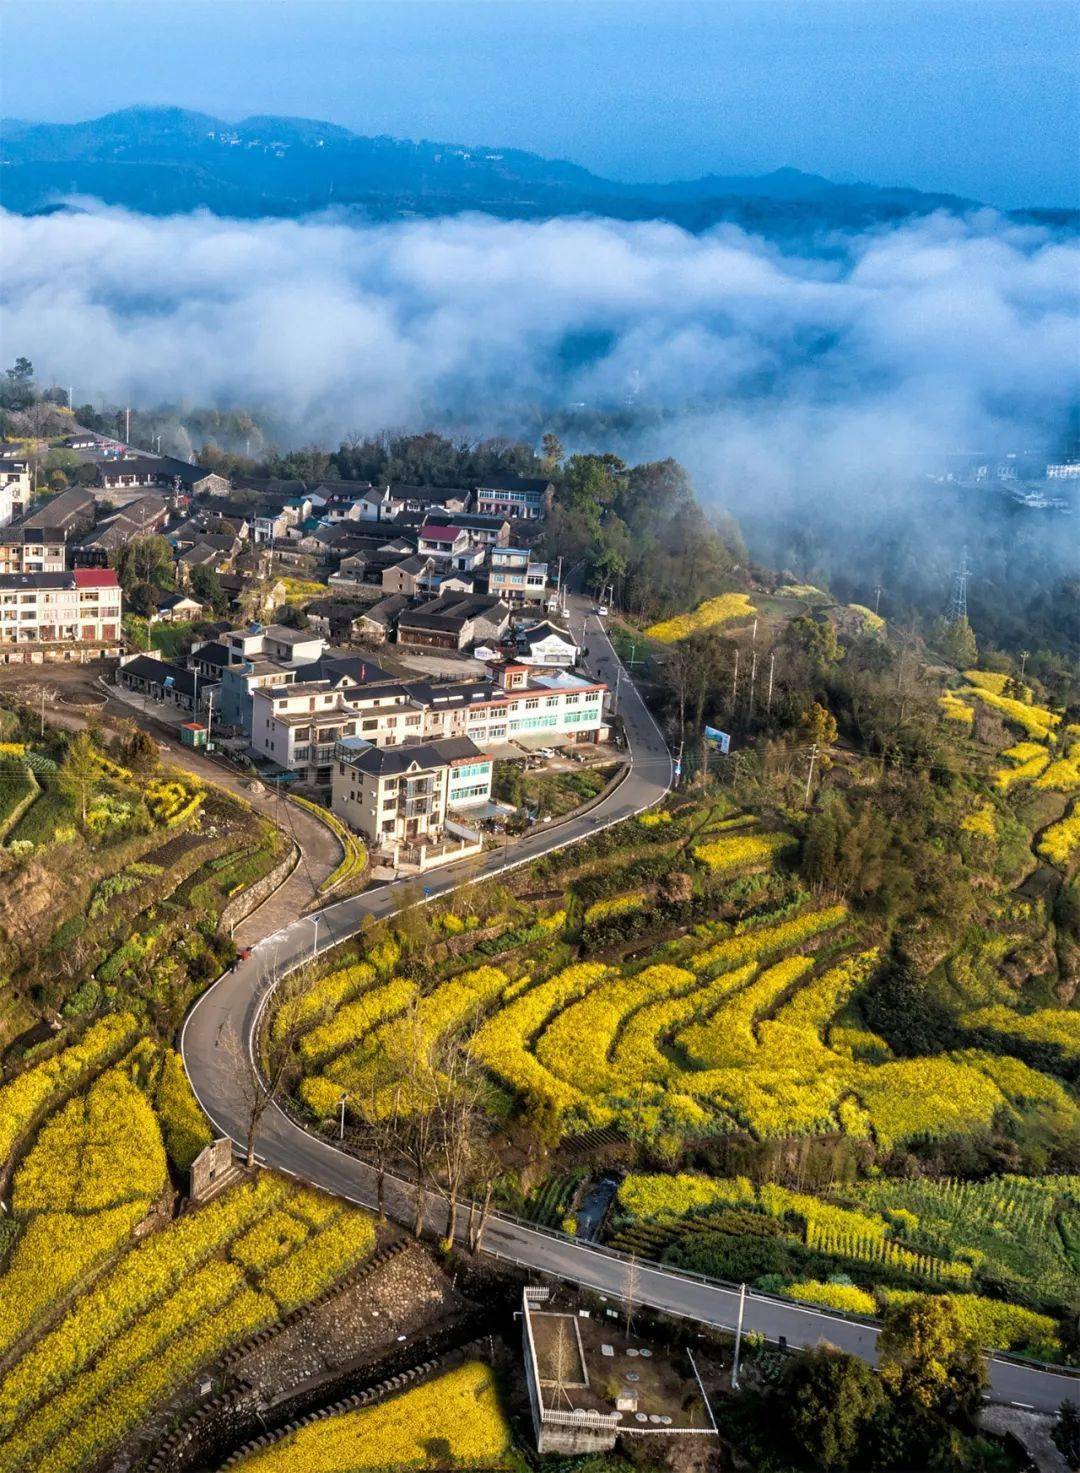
{"points": [[602, 611], [547, 752]]}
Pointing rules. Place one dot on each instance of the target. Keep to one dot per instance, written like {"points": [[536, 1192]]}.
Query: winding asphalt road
{"points": [[234, 1002]]}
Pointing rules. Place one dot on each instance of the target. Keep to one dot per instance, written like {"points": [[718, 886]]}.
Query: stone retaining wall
{"points": [[241, 906], [235, 1409]]}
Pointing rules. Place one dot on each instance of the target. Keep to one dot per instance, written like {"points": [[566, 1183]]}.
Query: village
{"points": [[378, 649]]}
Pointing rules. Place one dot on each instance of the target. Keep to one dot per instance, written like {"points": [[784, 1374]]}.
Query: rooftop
{"points": [[440, 534], [421, 756], [513, 482], [436, 495]]}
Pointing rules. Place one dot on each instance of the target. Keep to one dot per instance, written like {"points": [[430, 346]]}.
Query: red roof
{"points": [[440, 534], [95, 578]]}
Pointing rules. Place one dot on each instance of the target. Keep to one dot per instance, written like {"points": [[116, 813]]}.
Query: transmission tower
{"points": [[958, 600]]}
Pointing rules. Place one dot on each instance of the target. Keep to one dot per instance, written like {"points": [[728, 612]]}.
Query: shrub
{"points": [[845, 1297], [723, 855], [726, 1256]]}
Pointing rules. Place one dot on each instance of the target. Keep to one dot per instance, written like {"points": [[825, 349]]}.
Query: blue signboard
{"points": [[720, 739]]}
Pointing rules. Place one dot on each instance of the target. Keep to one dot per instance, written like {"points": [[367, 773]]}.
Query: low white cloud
{"points": [[868, 354]]}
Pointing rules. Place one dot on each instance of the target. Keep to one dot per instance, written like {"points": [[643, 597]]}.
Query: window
{"points": [[533, 704]]}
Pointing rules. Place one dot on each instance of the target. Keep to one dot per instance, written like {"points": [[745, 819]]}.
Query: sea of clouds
{"points": [[862, 356]]}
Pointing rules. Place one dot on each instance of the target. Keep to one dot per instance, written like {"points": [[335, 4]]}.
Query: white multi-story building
{"points": [[82, 607], [32, 550], [515, 578], [297, 726], [405, 796], [14, 489]]}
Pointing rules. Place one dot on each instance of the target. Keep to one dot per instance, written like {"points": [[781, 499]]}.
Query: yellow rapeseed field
{"points": [[459, 1413], [713, 612]]}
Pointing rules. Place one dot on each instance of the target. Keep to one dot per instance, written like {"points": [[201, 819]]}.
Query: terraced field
{"points": [[733, 1014], [107, 1304]]}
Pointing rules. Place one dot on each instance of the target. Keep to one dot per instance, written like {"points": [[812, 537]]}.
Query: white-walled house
{"points": [[296, 726], [404, 797], [546, 644]]}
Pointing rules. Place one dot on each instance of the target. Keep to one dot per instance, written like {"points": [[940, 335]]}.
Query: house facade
{"points": [[546, 644], [82, 607], [295, 725], [32, 550], [15, 489], [515, 577], [404, 797], [518, 498]]}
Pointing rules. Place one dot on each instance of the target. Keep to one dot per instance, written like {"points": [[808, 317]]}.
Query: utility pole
{"points": [[735, 680], [768, 698], [127, 426], [315, 937], [42, 710], [618, 682], [810, 773], [753, 678], [753, 633], [738, 1339], [1023, 663], [341, 1127], [877, 598]]}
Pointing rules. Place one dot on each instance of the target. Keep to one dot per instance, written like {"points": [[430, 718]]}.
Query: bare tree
{"points": [[560, 1361], [631, 1285], [260, 1066], [456, 1093], [381, 1130], [417, 1138], [486, 1170]]}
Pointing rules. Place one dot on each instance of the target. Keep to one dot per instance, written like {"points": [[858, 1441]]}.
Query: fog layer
{"points": [[859, 357]]}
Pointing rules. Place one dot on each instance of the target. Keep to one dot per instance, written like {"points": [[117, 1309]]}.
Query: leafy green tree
{"points": [[553, 452], [21, 371], [832, 1401], [819, 725], [79, 773], [144, 560], [928, 1360], [958, 644], [815, 639], [206, 585]]}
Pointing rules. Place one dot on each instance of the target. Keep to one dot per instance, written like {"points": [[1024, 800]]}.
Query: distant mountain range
{"points": [[165, 160]]}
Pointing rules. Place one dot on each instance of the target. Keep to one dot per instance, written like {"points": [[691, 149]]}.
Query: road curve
{"points": [[237, 997]]}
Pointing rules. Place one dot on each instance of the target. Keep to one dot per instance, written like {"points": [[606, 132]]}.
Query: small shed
{"points": [[193, 734]]}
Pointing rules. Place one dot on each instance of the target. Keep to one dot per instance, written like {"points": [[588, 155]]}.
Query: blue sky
{"points": [[975, 97]]}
